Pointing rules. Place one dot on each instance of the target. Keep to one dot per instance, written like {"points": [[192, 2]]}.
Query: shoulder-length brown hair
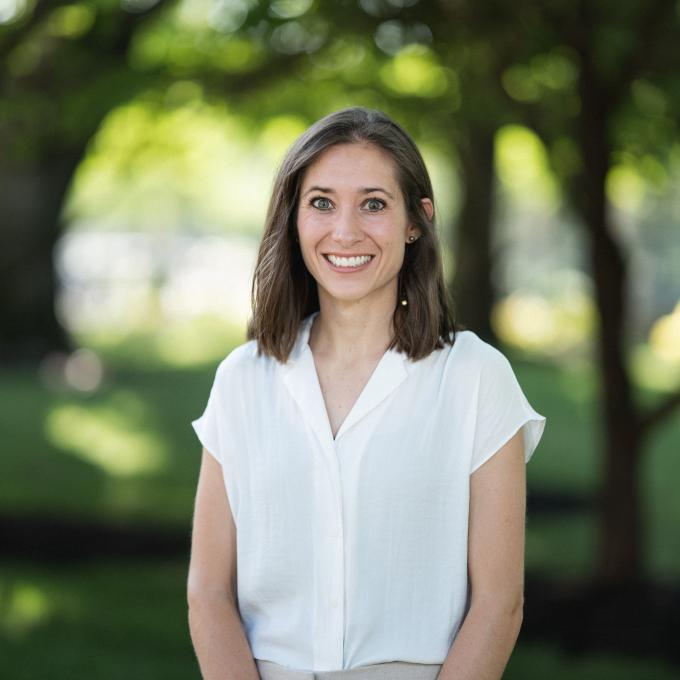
{"points": [[283, 291]]}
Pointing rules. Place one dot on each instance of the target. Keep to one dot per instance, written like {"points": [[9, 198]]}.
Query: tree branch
{"points": [[658, 413]]}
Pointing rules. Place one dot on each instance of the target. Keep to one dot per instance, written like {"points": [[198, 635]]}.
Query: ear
{"points": [[429, 211], [413, 231], [428, 207]]}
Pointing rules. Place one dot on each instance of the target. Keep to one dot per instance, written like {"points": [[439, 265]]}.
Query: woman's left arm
{"points": [[485, 641]]}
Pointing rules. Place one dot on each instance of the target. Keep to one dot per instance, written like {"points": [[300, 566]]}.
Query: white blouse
{"points": [[353, 550]]}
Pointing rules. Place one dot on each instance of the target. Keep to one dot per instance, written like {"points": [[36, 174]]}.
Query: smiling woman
{"points": [[354, 184], [363, 456], [348, 228]]}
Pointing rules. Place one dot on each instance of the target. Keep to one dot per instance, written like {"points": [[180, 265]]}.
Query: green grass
{"points": [[129, 620], [568, 459], [49, 463], [128, 453], [46, 465], [537, 662], [105, 621]]}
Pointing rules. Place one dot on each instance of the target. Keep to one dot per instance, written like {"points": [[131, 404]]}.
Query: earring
{"points": [[412, 238], [400, 287]]}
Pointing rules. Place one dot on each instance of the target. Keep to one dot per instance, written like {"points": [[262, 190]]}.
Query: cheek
{"points": [[308, 225], [388, 229], [388, 239], [394, 249]]}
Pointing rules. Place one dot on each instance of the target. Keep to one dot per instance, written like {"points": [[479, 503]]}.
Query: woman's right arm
{"points": [[214, 622]]}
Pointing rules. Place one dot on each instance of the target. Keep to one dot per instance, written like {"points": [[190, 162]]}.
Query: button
{"points": [[334, 604]]}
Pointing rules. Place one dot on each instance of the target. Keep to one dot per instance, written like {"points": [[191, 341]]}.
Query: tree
{"points": [[68, 65], [65, 73], [66, 68], [596, 113]]}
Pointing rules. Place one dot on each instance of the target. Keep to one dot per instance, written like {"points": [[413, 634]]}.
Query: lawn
{"points": [[127, 454], [123, 619]]}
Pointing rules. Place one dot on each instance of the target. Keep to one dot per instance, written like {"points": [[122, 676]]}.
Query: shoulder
{"points": [[488, 353], [473, 357], [240, 361], [468, 347]]}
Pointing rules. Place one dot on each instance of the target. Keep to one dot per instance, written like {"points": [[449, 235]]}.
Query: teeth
{"points": [[348, 261]]}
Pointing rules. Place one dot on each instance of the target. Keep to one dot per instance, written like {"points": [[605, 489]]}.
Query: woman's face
{"points": [[351, 206]]}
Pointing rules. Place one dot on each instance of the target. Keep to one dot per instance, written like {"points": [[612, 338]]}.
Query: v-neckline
{"points": [[302, 379], [356, 401]]}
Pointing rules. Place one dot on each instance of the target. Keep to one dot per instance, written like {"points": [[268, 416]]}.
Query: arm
{"points": [[214, 622], [485, 641]]}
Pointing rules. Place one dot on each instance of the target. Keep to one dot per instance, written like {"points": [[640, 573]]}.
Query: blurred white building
{"points": [[128, 281]]}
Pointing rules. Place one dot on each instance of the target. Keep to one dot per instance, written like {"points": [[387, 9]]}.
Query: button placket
{"points": [[302, 381], [337, 596]]}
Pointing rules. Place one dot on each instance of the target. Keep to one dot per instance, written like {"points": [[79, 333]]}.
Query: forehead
{"points": [[352, 165]]}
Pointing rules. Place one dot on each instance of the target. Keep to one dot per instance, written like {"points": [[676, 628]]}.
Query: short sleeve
{"points": [[502, 409], [207, 426]]}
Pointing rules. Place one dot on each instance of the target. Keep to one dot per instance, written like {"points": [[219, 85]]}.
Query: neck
{"points": [[351, 332]]}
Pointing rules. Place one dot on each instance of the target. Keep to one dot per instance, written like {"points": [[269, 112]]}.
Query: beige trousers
{"points": [[393, 670]]}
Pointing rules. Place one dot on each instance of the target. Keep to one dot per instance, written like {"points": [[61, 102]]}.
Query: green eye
{"points": [[318, 198], [375, 204], [381, 204]]}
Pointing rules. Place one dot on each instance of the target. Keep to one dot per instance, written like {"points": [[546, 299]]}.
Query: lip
{"points": [[347, 270], [350, 254]]}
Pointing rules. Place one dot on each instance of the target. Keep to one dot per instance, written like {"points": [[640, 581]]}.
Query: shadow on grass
{"points": [[578, 617]]}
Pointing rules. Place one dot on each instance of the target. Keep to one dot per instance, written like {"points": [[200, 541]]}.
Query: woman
{"points": [[363, 457]]}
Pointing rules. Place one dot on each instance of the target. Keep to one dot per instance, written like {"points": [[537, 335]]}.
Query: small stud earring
{"points": [[412, 238]]}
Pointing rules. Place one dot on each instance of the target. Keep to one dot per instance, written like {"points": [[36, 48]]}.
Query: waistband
{"points": [[392, 670]]}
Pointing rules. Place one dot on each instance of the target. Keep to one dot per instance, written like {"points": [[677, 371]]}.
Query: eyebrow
{"points": [[363, 190]]}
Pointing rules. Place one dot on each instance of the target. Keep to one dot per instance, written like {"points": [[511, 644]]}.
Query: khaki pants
{"points": [[394, 670]]}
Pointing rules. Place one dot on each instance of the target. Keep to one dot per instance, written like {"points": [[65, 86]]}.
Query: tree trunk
{"points": [[620, 560], [472, 288], [31, 197]]}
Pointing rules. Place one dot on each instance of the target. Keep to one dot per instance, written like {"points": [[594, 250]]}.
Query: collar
{"points": [[301, 379]]}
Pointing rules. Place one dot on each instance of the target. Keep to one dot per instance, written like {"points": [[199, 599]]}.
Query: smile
{"points": [[348, 264]]}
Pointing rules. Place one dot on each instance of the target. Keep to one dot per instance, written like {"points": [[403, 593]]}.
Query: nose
{"points": [[347, 230]]}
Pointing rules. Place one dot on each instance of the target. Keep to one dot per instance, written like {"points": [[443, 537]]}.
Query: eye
{"points": [[381, 204], [313, 200]]}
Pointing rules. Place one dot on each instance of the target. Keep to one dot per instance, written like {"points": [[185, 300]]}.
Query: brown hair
{"points": [[284, 292]]}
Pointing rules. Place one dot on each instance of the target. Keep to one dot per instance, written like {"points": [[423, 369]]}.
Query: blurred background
{"points": [[138, 145]]}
